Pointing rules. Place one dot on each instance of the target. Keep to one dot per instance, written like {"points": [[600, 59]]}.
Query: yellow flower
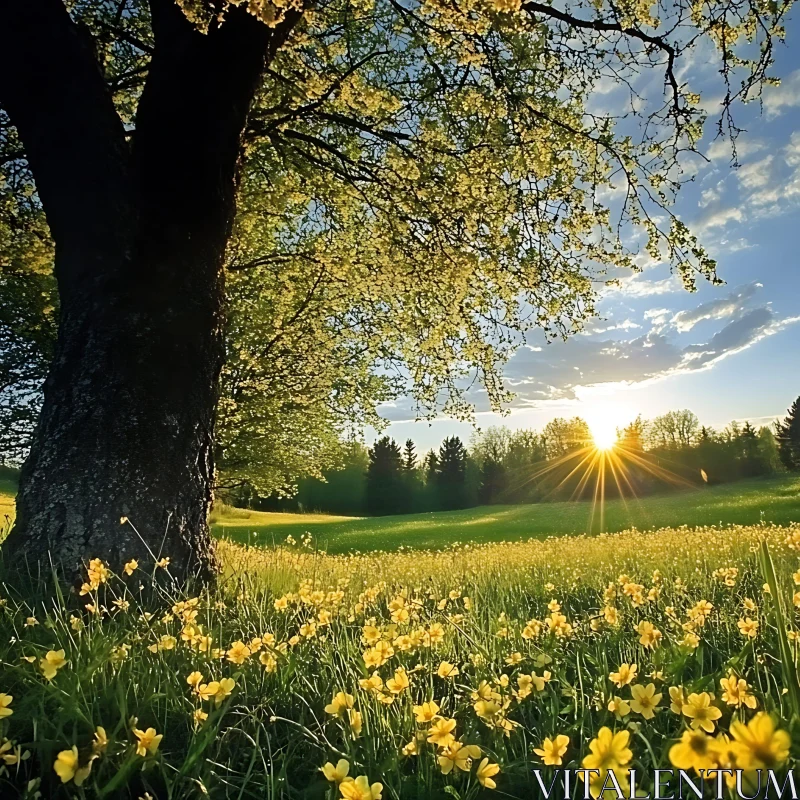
{"points": [[207, 691], [399, 682], [52, 662], [269, 661], [372, 684], [609, 750], [338, 773], [552, 750], [735, 692], [458, 755], [644, 700], [148, 741], [678, 699], [239, 653], [194, 679], [360, 789], [355, 722], [224, 689], [427, 712], [696, 750], [131, 566], [618, 707], [5, 705], [758, 745], [67, 767], [163, 563], [100, 742], [199, 716], [513, 659], [9, 754], [649, 635], [748, 628], [700, 711], [486, 772], [624, 675], [339, 705], [441, 732], [31, 621], [447, 670], [411, 748]]}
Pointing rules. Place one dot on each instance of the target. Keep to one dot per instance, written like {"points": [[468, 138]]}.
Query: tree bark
{"points": [[140, 228]]}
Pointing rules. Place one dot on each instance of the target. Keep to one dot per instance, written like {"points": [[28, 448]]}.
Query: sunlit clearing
{"points": [[604, 434]]}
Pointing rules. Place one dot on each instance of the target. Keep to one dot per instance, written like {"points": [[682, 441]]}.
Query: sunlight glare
{"points": [[604, 434]]}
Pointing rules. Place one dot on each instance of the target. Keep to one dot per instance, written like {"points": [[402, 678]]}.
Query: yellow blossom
{"points": [[148, 741], [644, 700], [486, 772], [552, 750]]}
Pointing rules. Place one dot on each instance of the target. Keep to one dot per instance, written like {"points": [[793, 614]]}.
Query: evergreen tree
{"points": [[410, 456], [451, 473], [788, 436], [493, 482], [431, 467], [750, 458], [385, 493]]}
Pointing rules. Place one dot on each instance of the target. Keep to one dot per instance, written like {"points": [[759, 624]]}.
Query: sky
{"points": [[729, 352]]}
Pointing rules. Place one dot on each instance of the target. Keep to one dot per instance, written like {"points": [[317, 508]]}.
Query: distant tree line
{"points": [[501, 466]]}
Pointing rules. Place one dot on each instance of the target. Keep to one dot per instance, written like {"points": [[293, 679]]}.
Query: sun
{"points": [[604, 433]]}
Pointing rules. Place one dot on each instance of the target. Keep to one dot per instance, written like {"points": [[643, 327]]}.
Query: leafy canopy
{"points": [[422, 182]]}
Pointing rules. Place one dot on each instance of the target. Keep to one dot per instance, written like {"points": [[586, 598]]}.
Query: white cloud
{"points": [[745, 146], [718, 219], [756, 173], [719, 308], [636, 286], [787, 95]]}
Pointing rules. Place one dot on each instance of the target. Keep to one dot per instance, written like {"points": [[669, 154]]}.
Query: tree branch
{"points": [[53, 89]]}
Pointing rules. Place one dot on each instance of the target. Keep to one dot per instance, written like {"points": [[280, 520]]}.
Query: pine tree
{"points": [[750, 456], [493, 488], [431, 467], [451, 473], [409, 456], [385, 493], [788, 436]]}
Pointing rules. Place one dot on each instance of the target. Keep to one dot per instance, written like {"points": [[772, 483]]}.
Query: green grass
{"points": [[775, 499]]}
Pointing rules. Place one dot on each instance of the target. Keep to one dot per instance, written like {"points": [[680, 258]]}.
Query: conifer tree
{"points": [[788, 436]]}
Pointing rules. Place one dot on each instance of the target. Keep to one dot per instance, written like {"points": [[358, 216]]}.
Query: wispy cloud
{"points": [[719, 308]]}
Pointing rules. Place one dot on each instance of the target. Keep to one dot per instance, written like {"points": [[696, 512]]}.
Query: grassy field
{"points": [[775, 500], [743, 503], [409, 675], [304, 675]]}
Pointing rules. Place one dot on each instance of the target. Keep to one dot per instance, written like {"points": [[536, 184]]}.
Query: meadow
{"points": [[407, 674], [772, 499], [413, 673]]}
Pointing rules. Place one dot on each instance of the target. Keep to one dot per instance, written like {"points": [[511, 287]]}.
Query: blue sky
{"points": [[725, 352]]}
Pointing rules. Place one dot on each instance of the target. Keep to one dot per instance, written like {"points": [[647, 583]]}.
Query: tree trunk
{"points": [[127, 426]]}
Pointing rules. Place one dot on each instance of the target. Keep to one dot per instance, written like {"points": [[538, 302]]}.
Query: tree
{"points": [[769, 449], [633, 435], [451, 474], [751, 458], [787, 432], [385, 486], [403, 152], [673, 430], [563, 436], [410, 456]]}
